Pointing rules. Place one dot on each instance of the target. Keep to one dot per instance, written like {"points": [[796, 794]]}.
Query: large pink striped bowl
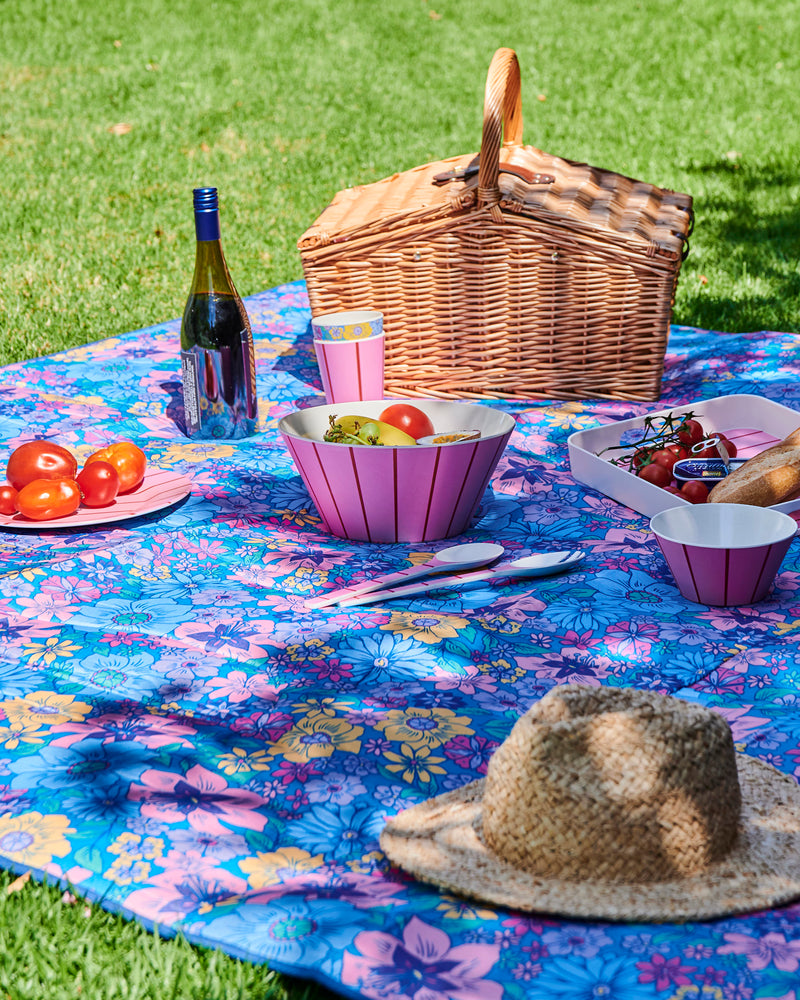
{"points": [[723, 554], [418, 493]]}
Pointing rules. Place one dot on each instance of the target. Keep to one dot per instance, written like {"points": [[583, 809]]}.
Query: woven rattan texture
{"points": [[626, 788], [537, 276], [612, 803]]}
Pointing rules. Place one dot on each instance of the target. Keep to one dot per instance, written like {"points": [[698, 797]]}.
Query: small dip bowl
{"points": [[723, 554]]}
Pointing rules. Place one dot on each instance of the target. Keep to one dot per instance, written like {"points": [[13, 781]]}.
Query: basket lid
{"points": [[509, 180], [531, 183]]}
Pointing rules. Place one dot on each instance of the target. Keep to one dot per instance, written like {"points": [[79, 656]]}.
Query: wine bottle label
{"points": [[191, 391]]}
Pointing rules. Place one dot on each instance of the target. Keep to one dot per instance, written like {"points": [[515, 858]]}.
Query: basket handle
{"points": [[502, 121]]}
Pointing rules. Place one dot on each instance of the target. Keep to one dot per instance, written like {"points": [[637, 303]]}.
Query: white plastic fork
{"points": [[540, 564]]}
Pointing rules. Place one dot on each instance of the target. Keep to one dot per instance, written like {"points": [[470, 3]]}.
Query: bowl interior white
{"points": [[446, 416], [723, 526]]}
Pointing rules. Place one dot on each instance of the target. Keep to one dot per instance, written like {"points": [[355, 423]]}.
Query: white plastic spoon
{"points": [[540, 564], [457, 557]]}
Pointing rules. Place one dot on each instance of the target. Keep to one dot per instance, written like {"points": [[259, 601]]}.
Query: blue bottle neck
{"points": [[206, 226]]}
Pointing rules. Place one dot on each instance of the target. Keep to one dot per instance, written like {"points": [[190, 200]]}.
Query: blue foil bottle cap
{"points": [[206, 200], [206, 213]]}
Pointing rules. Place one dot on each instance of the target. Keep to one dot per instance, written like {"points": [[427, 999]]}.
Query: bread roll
{"points": [[768, 478]]}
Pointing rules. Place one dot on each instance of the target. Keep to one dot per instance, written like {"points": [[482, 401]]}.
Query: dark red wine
{"points": [[217, 359]]}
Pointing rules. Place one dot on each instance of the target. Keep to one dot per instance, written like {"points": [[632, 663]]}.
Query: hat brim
{"points": [[437, 842]]}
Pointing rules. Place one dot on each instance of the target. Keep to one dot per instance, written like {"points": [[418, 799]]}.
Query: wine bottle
{"points": [[217, 358]]}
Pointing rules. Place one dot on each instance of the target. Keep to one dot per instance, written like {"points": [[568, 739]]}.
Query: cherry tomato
{"points": [[641, 458], [99, 484], [665, 457], [409, 419], [690, 432], [45, 499], [40, 459], [128, 460], [656, 474], [694, 491], [8, 499], [678, 450]]}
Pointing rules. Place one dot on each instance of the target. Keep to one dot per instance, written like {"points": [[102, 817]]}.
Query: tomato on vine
{"points": [[656, 474], [694, 491]]}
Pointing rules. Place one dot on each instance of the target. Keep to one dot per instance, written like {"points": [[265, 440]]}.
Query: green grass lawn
{"points": [[111, 113], [282, 104]]}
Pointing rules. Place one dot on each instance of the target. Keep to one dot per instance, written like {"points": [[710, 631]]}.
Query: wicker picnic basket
{"points": [[507, 274]]}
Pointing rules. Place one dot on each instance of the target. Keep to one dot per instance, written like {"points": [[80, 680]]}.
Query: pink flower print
{"points": [[742, 724], [772, 948], [206, 548], [145, 727], [722, 680], [235, 687], [70, 589], [45, 607], [177, 893], [200, 798], [421, 966], [663, 971], [582, 643], [228, 638], [631, 638]]}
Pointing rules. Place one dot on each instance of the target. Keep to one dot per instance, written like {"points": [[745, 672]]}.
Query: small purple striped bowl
{"points": [[723, 554], [416, 493]]}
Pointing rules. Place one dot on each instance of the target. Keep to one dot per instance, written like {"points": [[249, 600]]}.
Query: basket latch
{"points": [[464, 174]]}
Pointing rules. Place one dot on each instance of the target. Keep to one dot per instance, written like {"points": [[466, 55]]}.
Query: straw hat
{"points": [[612, 804]]}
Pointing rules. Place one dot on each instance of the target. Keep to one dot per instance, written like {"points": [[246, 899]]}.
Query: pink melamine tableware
{"points": [[397, 494], [723, 554], [351, 369], [159, 489]]}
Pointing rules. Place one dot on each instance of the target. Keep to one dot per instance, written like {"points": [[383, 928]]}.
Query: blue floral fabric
{"points": [[182, 739]]}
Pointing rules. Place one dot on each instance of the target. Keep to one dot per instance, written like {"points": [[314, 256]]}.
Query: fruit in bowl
{"points": [[398, 493]]}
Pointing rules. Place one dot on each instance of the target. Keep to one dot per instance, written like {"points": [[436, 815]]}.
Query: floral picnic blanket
{"points": [[182, 739]]}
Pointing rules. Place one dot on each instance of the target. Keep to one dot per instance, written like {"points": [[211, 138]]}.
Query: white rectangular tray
{"points": [[754, 422]]}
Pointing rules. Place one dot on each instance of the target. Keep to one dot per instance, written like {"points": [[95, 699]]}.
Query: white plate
{"points": [[752, 422], [158, 489]]}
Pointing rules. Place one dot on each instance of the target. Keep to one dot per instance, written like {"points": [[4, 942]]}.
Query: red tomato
{"points": [[409, 419], [40, 459], [8, 499], [678, 451], [99, 484], [44, 499], [641, 458], [665, 457], [656, 474], [694, 491], [690, 432], [128, 460]]}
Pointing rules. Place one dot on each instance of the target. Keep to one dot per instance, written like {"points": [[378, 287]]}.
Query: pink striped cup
{"points": [[723, 554], [351, 369], [416, 493]]}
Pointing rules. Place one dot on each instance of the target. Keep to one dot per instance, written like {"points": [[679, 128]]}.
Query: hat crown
{"points": [[613, 784]]}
